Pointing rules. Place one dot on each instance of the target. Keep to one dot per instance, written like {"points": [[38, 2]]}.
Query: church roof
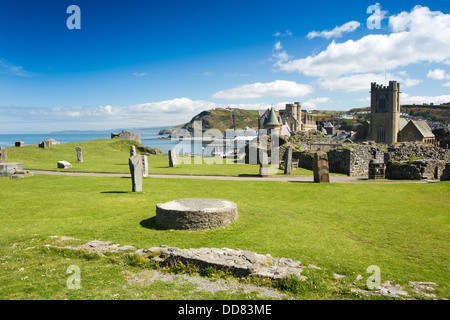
{"points": [[423, 128], [272, 120], [402, 123]]}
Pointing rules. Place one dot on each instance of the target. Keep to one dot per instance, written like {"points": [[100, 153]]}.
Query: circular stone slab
{"points": [[196, 214]]}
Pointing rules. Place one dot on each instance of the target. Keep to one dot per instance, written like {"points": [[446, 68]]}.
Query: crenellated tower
{"points": [[384, 113]]}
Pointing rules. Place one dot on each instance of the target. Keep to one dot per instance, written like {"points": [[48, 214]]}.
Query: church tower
{"points": [[384, 113]]}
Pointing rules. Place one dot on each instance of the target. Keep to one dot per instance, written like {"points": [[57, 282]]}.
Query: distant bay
{"points": [[149, 137]]}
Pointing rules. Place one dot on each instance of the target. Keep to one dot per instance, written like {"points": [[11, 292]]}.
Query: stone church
{"points": [[385, 125], [384, 113]]}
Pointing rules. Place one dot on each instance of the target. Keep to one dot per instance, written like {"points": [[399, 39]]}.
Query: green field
{"points": [[342, 228], [111, 155]]}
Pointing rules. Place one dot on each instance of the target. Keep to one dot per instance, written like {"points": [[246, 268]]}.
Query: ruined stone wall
{"points": [[339, 160], [306, 160], [402, 152], [416, 170], [403, 161], [351, 161], [354, 161], [446, 173]]}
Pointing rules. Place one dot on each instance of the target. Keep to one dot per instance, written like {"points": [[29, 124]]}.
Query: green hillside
{"points": [[221, 119]]}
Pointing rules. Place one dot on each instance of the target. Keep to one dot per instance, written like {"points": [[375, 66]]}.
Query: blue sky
{"points": [[146, 63]]}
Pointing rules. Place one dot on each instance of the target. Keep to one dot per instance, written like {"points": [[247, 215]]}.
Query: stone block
{"points": [[264, 164], [321, 168], [47, 143], [135, 163], [64, 165], [132, 151], [44, 144], [127, 135], [196, 214], [288, 161], [79, 154], [173, 161], [9, 169], [3, 155], [144, 166]]}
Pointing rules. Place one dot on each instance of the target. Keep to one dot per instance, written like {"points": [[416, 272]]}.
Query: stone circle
{"points": [[196, 214]]}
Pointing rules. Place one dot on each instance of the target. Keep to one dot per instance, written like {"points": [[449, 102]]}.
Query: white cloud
{"points": [[278, 53], [287, 33], [446, 84], [410, 82], [406, 99], [151, 114], [311, 104], [237, 74], [139, 74], [417, 36], [361, 82], [278, 88], [278, 46], [337, 32], [438, 74], [7, 67]]}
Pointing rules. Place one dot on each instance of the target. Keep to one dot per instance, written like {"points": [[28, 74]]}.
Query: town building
{"points": [[289, 120], [417, 131]]}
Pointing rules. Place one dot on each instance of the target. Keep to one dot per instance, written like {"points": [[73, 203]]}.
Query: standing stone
{"points": [[132, 151], [321, 168], [3, 155], [135, 163], [79, 154], [264, 164], [145, 166], [288, 161], [173, 162], [20, 144]]}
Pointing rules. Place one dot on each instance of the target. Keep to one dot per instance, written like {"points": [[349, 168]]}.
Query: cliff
{"points": [[220, 119]]}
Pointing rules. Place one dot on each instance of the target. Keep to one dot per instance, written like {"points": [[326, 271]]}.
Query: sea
{"points": [[149, 137]]}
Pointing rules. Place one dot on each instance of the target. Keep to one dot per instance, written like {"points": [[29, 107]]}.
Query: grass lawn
{"points": [[111, 155], [342, 228]]}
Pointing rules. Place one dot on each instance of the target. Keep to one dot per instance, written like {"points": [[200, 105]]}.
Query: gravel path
{"points": [[292, 178]]}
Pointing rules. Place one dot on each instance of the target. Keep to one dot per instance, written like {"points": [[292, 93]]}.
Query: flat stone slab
{"points": [[8, 169], [196, 214], [241, 263]]}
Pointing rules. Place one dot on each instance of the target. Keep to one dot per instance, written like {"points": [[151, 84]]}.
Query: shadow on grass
{"points": [[151, 224], [310, 182], [114, 192]]}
